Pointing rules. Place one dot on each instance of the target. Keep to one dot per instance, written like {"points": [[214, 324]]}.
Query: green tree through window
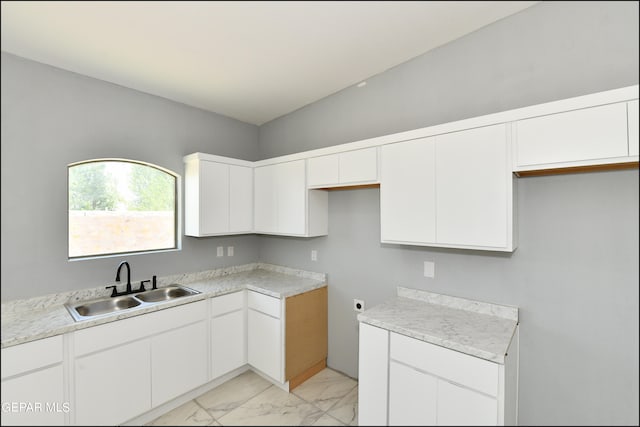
{"points": [[121, 206]]}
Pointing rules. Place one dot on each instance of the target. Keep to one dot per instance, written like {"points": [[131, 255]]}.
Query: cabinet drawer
{"points": [[139, 327], [472, 372], [227, 303], [32, 355], [264, 304]]}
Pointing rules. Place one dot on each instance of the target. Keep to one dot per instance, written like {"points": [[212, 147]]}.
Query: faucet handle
{"points": [[114, 293], [142, 289]]}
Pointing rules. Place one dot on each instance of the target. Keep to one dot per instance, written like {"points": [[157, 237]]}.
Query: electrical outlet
{"points": [[358, 305], [220, 250], [229, 250], [314, 255], [429, 269]]}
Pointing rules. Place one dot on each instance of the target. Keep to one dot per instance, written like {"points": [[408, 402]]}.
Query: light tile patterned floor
{"points": [[329, 398]]}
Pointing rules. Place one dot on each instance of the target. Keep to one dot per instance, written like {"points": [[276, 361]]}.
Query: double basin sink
{"points": [[108, 305]]}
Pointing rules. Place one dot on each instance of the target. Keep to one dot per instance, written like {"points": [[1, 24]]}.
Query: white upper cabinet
{"points": [[584, 136], [342, 169], [283, 205], [452, 190], [218, 195], [632, 114], [474, 188], [407, 192]]}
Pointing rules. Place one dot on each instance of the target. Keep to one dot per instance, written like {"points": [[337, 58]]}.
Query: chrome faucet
{"points": [[128, 291]]}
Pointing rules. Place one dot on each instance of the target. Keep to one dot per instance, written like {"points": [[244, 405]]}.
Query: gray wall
{"points": [[575, 274], [51, 118]]}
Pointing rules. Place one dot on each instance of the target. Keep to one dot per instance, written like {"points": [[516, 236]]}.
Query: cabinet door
{"points": [[178, 362], [265, 199], [292, 197], [264, 344], [632, 123], [240, 199], [113, 386], [214, 198], [407, 192], [373, 365], [323, 170], [586, 134], [359, 166], [473, 186], [228, 348], [412, 396], [43, 388], [459, 406]]}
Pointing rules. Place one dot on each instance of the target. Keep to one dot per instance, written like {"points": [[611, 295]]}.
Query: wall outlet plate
{"points": [[358, 305], [229, 250], [314, 255], [220, 250]]}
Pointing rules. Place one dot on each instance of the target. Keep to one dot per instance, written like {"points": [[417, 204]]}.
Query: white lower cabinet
{"points": [[228, 333], [432, 385], [123, 369], [114, 385], [33, 384], [264, 337], [178, 362]]}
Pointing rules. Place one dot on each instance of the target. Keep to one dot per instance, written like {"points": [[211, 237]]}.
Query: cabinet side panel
{"points": [[306, 331], [511, 381], [373, 375]]}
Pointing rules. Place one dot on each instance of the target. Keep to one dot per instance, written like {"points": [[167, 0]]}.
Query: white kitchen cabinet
{"points": [[408, 192], [264, 335], [373, 367], [428, 385], [479, 409], [354, 167], [632, 123], [412, 396], [218, 195], [114, 385], [474, 189], [32, 375], [585, 136], [451, 190], [228, 333], [178, 362], [283, 205], [122, 369]]}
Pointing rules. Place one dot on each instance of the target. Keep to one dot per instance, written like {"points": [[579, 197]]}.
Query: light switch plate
{"points": [[229, 250], [429, 269], [220, 250]]}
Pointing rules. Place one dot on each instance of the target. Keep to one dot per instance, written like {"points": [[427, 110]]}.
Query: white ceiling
{"points": [[253, 61]]}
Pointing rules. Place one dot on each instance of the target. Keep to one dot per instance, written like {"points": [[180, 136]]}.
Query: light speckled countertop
{"points": [[42, 317], [476, 328]]}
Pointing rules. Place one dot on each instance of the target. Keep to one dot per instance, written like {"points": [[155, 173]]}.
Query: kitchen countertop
{"points": [[42, 317], [476, 328]]}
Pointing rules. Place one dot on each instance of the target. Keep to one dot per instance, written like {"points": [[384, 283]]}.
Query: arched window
{"points": [[120, 206]]}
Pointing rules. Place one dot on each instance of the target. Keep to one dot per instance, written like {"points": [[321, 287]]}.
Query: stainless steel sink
{"points": [[109, 305], [166, 294], [105, 305]]}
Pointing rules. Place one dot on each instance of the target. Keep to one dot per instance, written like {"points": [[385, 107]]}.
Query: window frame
{"points": [[177, 223]]}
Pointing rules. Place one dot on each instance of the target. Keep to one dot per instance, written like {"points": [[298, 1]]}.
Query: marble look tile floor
{"points": [[329, 398]]}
